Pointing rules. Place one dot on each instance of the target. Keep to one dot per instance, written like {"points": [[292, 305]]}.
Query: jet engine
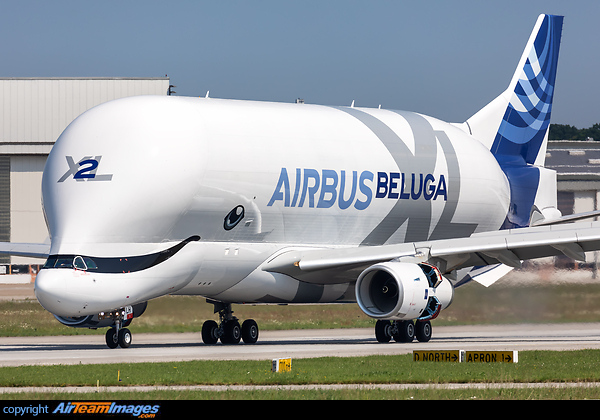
{"points": [[403, 291], [103, 319]]}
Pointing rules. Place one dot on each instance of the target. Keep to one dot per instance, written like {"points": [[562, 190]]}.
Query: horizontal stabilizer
{"points": [[568, 219]]}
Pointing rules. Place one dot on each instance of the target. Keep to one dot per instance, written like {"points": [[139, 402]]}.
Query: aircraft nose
{"points": [[50, 291]]}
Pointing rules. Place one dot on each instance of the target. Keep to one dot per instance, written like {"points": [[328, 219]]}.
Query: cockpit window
{"points": [[91, 265], [60, 262], [116, 264], [79, 263]]}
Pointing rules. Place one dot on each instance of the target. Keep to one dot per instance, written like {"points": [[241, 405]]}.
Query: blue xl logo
{"points": [[84, 170]]}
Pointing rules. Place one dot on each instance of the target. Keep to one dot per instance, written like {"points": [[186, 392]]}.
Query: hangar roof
{"points": [[574, 159], [35, 110]]}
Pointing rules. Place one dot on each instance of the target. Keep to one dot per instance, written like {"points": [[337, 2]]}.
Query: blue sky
{"points": [[442, 58]]}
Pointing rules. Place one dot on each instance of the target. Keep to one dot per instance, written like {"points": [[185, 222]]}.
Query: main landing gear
{"points": [[403, 331], [228, 330]]}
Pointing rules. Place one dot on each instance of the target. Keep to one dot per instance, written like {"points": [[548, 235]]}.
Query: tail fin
{"points": [[515, 126]]}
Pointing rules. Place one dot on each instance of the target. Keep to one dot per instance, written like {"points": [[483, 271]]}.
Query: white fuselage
{"points": [[138, 175]]}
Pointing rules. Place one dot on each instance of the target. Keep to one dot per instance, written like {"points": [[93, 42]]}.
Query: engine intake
{"points": [[401, 291]]}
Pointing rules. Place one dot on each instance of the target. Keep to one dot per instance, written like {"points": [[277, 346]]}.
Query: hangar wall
{"points": [[577, 164], [33, 113]]}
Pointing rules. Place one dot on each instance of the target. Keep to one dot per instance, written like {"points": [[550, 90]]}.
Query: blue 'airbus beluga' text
{"points": [[325, 188]]}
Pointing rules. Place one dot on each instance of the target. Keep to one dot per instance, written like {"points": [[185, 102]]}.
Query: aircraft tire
{"points": [[423, 331], [112, 340], [232, 333], [124, 338], [382, 331], [209, 332], [249, 331], [406, 332]]}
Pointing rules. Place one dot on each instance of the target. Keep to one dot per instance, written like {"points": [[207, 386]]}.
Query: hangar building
{"points": [[33, 113], [577, 164]]}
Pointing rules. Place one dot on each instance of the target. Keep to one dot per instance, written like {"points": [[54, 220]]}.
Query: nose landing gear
{"points": [[117, 335], [228, 330]]}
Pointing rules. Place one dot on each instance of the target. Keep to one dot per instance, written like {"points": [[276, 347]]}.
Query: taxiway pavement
{"points": [[89, 349]]}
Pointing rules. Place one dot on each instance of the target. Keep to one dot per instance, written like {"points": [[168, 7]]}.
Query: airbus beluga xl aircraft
{"points": [[258, 202]]}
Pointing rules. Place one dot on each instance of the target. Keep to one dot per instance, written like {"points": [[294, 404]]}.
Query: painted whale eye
{"points": [[234, 217]]}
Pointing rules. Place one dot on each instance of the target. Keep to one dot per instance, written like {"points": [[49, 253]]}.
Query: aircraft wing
{"points": [[25, 249], [508, 247]]}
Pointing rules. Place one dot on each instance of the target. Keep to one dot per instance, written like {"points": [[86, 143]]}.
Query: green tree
{"points": [[593, 132], [565, 132], [570, 132]]}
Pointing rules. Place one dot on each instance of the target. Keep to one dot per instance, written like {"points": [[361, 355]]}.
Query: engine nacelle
{"points": [[403, 291], [103, 319]]}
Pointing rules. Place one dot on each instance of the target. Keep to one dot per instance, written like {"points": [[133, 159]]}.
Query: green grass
{"points": [[473, 304], [311, 395], [533, 366], [185, 314]]}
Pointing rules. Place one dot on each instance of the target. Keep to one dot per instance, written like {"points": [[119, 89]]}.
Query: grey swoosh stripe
{"points": [[417, 212]]}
